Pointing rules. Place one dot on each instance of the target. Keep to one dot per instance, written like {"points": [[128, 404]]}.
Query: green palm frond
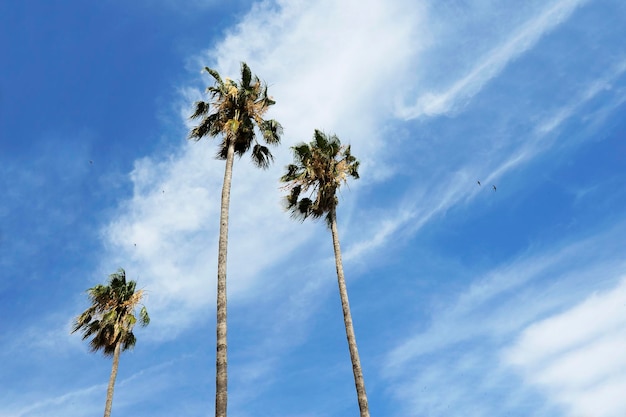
{"points": [[129, 341], [111, 317], [91, 328], [246, 76], [261, 156], [130, 320], [271, 131], [302, 153], [233, 112], [144, 318], [299, 209], [222, 151], [215, 75], [319, 169], [199, 131], [291, 174], [200, 109]]}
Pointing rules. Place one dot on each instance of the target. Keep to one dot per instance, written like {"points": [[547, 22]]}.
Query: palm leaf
{"points": [[261, 156], [233, 112], [144, 318], [215, 75], [111, 317], [319, 169], [246, 76], [271, 131]]}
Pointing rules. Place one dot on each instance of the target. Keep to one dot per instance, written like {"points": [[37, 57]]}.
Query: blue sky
{"points": [[466, 301]]}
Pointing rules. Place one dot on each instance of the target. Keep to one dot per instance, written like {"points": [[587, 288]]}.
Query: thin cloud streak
{"points": [[42, 407], [577, 356], [571, 263], [416, 210], [595, 88], [476, 327], [90, 400], [433, 104]]}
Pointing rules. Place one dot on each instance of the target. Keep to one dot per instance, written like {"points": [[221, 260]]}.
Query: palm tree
{"points": [[233, 113], [109, 321], [319, 170]]}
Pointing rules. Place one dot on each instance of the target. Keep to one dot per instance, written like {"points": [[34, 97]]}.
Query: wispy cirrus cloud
{"points": [[73, 403], [167, 234], [513, 302], [90, 400], [167, 231], [489, 66], [571, 263], [576, 357], [430, 199]]}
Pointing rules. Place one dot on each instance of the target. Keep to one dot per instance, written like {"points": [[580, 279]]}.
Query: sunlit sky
{"points": [[506, 298]]}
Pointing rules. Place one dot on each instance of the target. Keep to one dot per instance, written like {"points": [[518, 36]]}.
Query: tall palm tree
{"points": [[109, 321], [234, 111], [318, 171]]}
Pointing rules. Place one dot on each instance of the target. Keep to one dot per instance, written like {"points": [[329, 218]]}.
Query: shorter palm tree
{"points": [[109, 321], [320, 168]]}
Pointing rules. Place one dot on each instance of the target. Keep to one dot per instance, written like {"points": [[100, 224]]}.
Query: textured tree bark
{"points": [[221, 360], [116, 362], [359, 382]]}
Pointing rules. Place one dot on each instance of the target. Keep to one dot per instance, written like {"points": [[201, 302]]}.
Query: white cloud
{"points": [[577, 356], [479, 309], [430, 199], [518, 42], [456, 361], [327, 64], [166, 236], [334, 66], [597, 87]]}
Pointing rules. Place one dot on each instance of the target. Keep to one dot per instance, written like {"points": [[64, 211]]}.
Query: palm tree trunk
{"points": [[347, 319], [116, 362], [221, 362]]}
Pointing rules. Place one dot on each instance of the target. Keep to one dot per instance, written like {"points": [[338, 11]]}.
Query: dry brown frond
{"points": [[134, 300]]}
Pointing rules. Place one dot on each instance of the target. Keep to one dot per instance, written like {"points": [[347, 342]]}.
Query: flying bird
{"points": [[478, 183], [494, 187], [91, 162]]}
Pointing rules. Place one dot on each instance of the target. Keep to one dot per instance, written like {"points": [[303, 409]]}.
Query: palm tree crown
{"points": [[111, 317], [234, 111], [319, 169]]}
